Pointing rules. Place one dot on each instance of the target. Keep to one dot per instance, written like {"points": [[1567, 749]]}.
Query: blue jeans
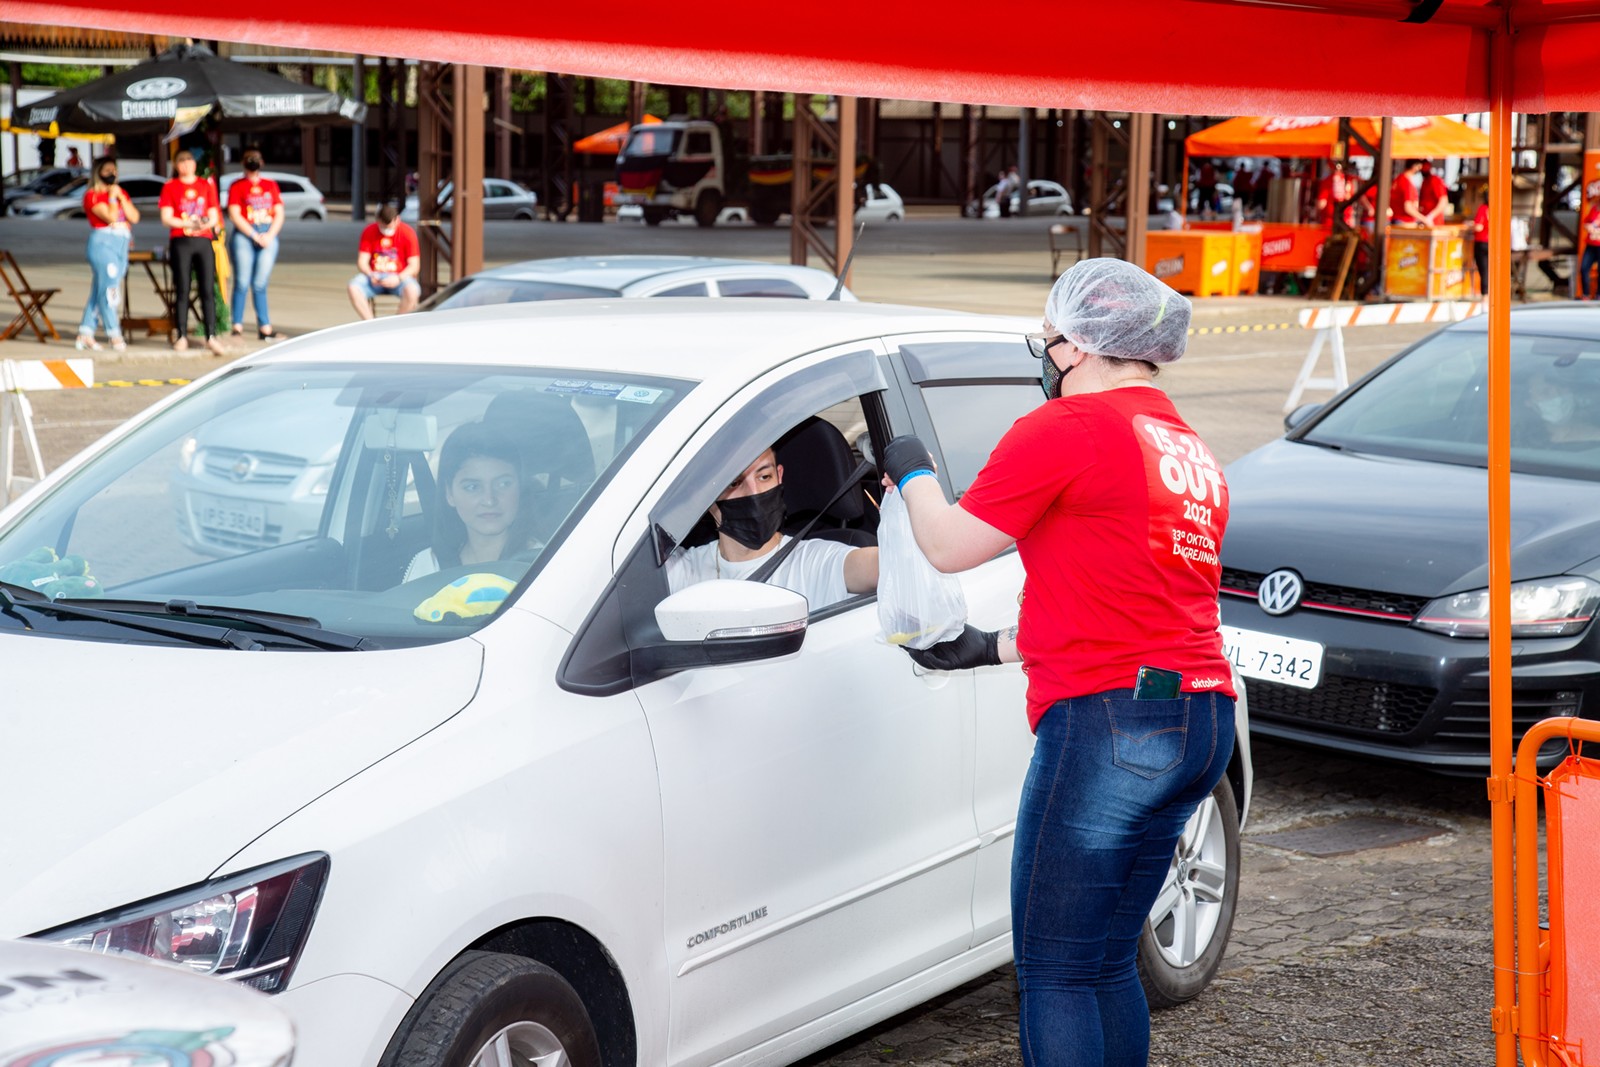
{"points": [[252, 266], [1590, 260], [1112, 782], [108, 260]]}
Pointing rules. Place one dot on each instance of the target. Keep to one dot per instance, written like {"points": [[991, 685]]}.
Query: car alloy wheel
{"points": [[1188, 928], [522, 1044]]}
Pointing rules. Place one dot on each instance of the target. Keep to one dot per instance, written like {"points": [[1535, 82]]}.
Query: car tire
{"points": [[483, 998], [708, 208], [310, 216], [763, 214], [1200, 894], [892, 217], [654, 216]]}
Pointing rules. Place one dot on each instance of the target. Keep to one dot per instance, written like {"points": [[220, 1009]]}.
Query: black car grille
{"points": [[1465, 724], [1387, 708], [1396, 607]]}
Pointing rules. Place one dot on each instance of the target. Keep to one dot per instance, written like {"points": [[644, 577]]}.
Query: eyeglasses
{"points": [[1041, 343]]}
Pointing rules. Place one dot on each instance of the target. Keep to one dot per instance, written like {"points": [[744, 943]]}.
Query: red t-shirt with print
{"points": [[190, 200], [103, 196], [1401, 193], [1118, 509], [255, 198], [390, 253]]}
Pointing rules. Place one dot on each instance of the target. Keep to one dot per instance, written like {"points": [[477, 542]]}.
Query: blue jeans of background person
{"points": [[1590, 260], [252, 267], [1112, 782], [108, 260]]}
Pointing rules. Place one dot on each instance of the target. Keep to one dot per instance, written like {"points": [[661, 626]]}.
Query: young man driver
{"points": [[748, 514]]}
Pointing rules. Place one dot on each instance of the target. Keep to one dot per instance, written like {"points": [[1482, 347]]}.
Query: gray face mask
{"points": [[1051, 377]]}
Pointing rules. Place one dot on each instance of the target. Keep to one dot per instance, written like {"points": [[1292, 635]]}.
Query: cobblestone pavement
{"points": [[1374, 958]]}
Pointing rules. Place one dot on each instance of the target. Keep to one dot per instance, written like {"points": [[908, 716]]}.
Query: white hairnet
{"points": [[1109, 307]]}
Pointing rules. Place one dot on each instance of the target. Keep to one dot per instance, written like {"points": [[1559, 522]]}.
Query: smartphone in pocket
{"points": [[1156, 683]]}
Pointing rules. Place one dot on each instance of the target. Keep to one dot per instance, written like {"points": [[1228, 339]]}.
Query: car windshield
{"points": [[479, 291], [650, 142], [1432, 404], [354, 498]]}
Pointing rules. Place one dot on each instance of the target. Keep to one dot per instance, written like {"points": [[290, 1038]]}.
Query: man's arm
{"points": [[364, 263], [861, 571]]}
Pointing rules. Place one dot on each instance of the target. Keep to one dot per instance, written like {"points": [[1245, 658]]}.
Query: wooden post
{"points": [[845, 190], [1136, 204], [466, 171], [502, 124], [1380, 222], [1097, 181]]}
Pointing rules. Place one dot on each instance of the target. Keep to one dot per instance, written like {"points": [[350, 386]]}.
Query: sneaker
{"points": [[87, 343]]}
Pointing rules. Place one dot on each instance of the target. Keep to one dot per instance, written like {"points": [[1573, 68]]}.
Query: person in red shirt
{"points": [[1480, 244], [1591, 253], [190, 211], [1404, 199], [1433, 198], [1336, 187], [1117, 509], [110, 214], [255, 207], [388, 262]]}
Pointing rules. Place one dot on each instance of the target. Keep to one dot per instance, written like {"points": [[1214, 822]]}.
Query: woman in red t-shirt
{"points": [[190, 211], [1480, 244], [110, 215], [1117, 510], [1591, 253]]}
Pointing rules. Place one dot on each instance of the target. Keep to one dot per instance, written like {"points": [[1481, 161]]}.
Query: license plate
{"points": [[226, 515], [1273, 658]]}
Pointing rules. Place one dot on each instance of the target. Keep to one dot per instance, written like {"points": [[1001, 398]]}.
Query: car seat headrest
{"points": [[816, 460]]}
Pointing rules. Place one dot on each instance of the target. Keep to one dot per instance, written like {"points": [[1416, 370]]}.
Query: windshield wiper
{"points": [[299, 628], [194, 633]]}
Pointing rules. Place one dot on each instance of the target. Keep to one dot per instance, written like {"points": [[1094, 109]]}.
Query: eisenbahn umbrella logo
{"points": [[156, 88], [1280, 592]]}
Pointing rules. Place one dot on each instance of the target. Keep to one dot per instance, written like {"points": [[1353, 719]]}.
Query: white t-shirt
{"points": [[421, 565], [815, 569]]}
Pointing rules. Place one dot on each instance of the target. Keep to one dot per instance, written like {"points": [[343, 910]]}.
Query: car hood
{"points": [[1396, 525], [128, 771]]}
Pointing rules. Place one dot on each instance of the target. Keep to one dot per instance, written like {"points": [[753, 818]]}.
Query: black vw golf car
{"points": [[1355, 563]]}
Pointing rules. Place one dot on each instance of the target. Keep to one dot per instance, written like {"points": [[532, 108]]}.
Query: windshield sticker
{"points": [[633, 394]]}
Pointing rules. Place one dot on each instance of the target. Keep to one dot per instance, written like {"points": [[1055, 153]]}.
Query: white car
{"points": [[1044, 198], [599, 277], [539, 809], [301, 198], [143, 189], [882, 204]]}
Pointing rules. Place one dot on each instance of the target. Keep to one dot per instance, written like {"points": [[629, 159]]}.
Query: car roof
{"points": [[725, 343], [1560, 318], [619, 272]]}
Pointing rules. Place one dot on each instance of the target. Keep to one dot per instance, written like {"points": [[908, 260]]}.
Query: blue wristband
{"points": [[920, 470]]}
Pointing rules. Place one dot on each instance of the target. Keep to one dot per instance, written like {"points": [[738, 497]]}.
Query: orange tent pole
{"points": [[1505, 1019]]}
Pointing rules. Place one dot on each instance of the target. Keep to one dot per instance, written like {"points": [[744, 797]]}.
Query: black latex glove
{"points": [[970, 648], [906, 454]]}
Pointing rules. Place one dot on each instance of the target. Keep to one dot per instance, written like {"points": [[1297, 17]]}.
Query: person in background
{"points": [[1480, 244], [1244, 188], [1337, 187], [1404, 198], [1206, 189], [1433, 198], [388, 262], [482, 519], [190, 211], [110, 214], [1010, 185], [255, 206], [1117, 509], [1591, 253], [73, 159]]}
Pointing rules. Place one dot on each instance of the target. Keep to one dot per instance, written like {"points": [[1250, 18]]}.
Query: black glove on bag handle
{"points": [[904, 455], [970, 648]]}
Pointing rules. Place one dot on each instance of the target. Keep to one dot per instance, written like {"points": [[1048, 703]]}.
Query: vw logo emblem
{"points": [[156, 88], [1280, 592]]}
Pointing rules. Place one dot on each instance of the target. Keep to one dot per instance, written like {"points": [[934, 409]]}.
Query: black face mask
{"points": [[252, 165], [1051, 377], [752, 520], [108, 179]]}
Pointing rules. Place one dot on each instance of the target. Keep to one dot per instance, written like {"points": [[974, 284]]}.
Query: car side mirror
{"points": [[720, 622], [1299, 415]]}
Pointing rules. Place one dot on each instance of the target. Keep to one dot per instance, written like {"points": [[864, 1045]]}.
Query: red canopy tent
{"points": [[1284, 57]]}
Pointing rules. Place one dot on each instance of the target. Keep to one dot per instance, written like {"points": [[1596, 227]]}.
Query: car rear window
{"points": [[481, 292], [761, 287]]}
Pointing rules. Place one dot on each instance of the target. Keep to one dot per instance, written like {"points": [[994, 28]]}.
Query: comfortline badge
{"points": [[1279, 592]]}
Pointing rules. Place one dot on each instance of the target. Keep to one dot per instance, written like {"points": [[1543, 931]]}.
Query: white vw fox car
{"points": [[536, 808]]}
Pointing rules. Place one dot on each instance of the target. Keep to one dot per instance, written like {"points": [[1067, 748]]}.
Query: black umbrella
{"points": [[182, 86]]}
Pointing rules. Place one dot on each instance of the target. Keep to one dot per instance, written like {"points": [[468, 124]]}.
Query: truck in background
{"points": [[695, 167]]}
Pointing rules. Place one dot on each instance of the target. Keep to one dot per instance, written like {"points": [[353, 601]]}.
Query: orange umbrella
{"points": [[1315, 137], [609, 141]]}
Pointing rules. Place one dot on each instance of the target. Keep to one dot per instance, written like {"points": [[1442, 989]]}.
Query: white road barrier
{"points": [[1329, 323], [19, 377]]}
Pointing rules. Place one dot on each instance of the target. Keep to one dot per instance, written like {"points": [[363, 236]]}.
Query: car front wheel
{"points": [[1188, 928], [492, 1010]]}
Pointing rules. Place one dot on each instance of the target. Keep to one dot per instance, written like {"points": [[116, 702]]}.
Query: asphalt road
{"points": [[1374, 957]]}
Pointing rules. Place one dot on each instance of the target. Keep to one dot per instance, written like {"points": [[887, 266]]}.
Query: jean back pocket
{"points": [[1148, 736]]}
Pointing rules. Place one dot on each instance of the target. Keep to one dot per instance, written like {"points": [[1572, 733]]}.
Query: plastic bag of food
{"points": [[917, 606]]}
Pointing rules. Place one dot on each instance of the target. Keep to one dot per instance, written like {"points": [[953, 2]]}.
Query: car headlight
{"points": [[248, 927], [186, 454], [1544, 607]]}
